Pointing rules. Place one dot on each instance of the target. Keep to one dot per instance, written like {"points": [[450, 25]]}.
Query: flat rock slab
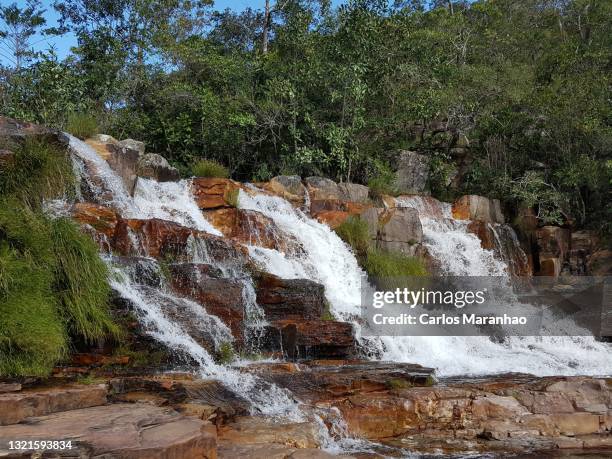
{"points": [[325, 379], [134, 431], [270, 451], [18, 406]]}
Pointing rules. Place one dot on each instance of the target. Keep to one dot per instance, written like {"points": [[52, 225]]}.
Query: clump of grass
{"points": [[225, 353], [81, 283], [385, 264], [231, 197], [354, 231], [38, 171], [32, 336], [209, 168], [327, 314], [398, 383], [82, 125], [53, 285]]}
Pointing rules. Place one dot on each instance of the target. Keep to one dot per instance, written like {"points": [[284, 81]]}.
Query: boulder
{"points": [[412, 172], [16, 407], [323, 189], [248, 227], [583, 244], [399, 230], [474, 207], [154, 166], [311, 338], [213, 193], [219, 296], [288, 187], [129, 430], [553, 244], [14, 133], [121, 158], [133, 145], [354, 192], [283, 299]]}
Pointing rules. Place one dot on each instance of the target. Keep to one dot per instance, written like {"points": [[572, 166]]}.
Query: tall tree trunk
{"points": [[266, 28]]}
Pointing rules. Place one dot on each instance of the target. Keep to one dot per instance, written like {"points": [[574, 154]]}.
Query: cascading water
{"points": [[326, 259], [156, 306], [460, 254]]}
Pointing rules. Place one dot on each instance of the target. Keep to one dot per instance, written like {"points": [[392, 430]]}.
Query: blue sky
{"points": [[62, 44]]}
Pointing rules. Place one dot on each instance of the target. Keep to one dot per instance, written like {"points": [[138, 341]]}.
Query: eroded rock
{"points": [[154, 166]]}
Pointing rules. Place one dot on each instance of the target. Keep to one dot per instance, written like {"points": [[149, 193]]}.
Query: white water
{"points": [[170, 201], [327, 260], [264, 398]]}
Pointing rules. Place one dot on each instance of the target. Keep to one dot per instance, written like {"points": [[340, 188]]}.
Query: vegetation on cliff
{"points": [[316, 90], [53, 285]]}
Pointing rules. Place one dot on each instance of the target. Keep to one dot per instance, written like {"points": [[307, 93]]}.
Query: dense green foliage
{"points": [[333, 91], [53, 285]]}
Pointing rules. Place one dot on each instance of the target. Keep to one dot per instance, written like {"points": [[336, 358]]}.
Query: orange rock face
{"points": [[473, 207], [247, 227], [155, 237], [213, 193], [100, 218], [332, 218]]}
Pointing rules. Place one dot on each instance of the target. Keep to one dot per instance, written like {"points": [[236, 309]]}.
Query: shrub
{"points": [[209, 168], [382, 180], [354, 231], [82, 125]]}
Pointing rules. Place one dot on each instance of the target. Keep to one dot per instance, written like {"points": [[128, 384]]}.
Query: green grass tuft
{"points": [[38, 171], [81, 283], [53, 285], [82, 125], [354, 231], [231, 197], [209, 168], [384, 264], [225, 353]]}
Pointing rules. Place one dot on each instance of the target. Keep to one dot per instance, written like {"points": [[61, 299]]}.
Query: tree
{"points": [[19, 29]]}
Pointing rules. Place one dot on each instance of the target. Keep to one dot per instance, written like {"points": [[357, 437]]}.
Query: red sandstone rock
{"points": [[473, 207], [17, 406], [130, 431], [213, 193], [283, 299]]}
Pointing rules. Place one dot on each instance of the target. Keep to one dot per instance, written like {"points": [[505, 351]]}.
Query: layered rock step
{"points": [[21, 405], [134, 431]]}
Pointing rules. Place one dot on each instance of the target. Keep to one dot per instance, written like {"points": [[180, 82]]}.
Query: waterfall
{"points": [[327, 260], [324, 259]]}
